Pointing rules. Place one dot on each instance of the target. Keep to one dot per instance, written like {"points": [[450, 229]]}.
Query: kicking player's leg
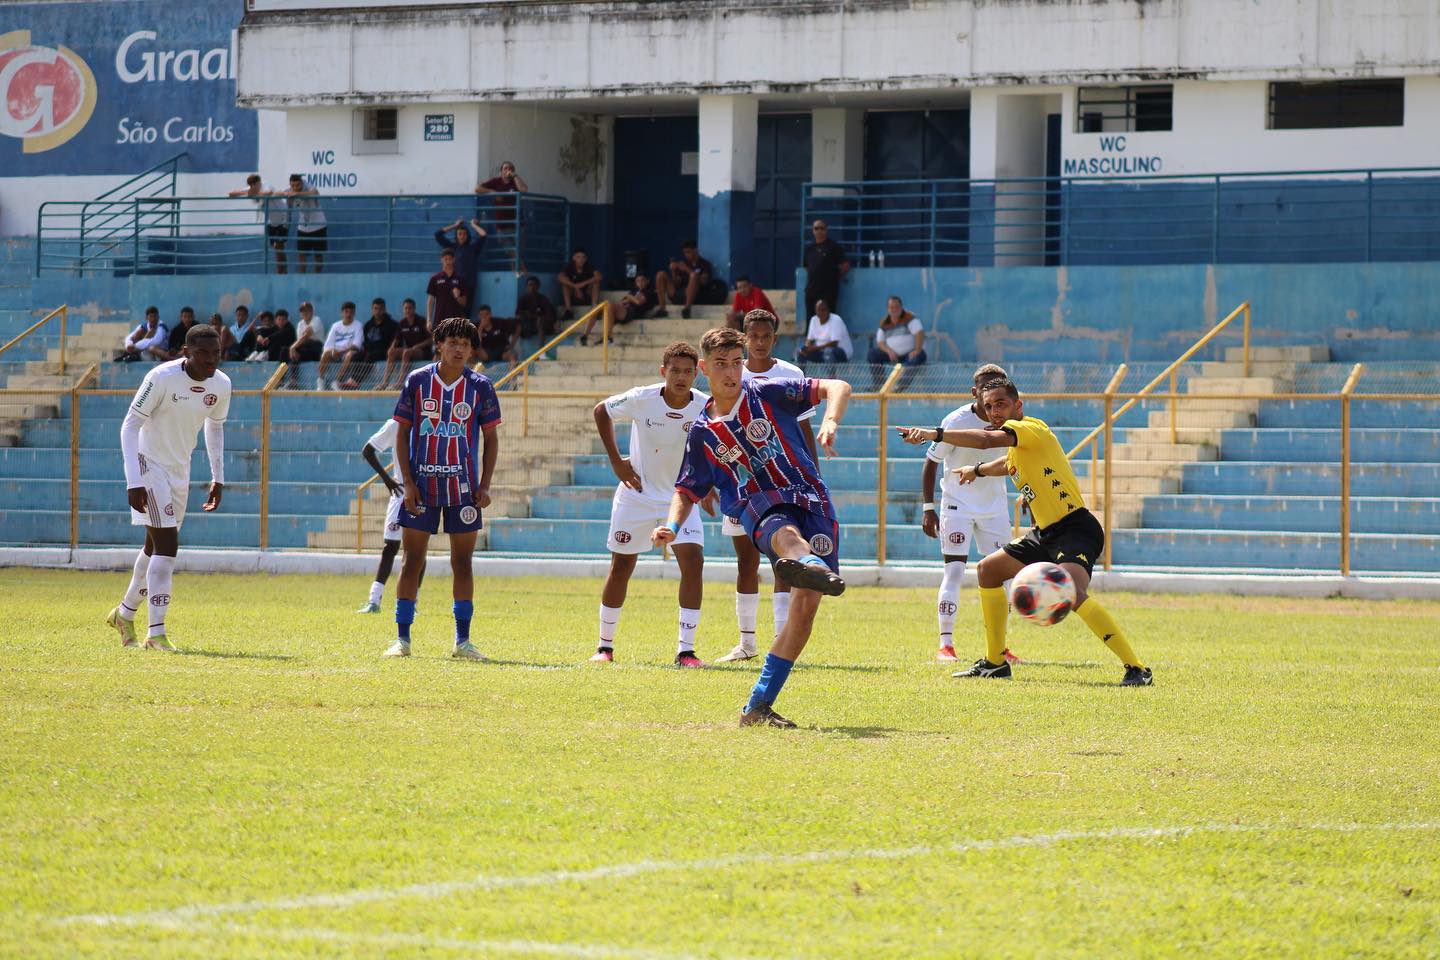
{"points": [[1098, 619], [992, 572], [691, 559], [612, 598], [462, 554]]}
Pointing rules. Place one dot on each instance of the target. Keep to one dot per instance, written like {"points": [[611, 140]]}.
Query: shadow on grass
{"points": [[872, 733], [237, 655]]}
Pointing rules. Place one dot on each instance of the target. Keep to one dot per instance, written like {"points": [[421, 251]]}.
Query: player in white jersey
{"points": [[971, 516], [156, 441], [659, 416], [760, 335], [382, 440]]}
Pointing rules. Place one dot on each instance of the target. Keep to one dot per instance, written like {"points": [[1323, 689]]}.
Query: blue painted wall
{"points": [[727, 233], [1374, 311]]}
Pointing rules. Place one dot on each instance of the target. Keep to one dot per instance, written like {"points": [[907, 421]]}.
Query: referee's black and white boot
{"points": [[984, 668], [1137, 677]]}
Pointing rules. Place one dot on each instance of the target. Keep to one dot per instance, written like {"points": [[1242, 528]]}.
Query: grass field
{"points": [[281, 790]]}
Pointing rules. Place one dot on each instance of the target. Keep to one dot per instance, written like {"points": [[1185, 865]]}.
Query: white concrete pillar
{"points": [[728, 130], [837, 145]]}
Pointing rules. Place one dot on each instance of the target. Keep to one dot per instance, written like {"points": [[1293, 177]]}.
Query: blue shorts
{"points": [[822, 532], [464, 519]]}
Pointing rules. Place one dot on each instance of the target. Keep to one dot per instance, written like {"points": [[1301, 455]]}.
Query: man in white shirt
{"points": [[149, 339], [310, 224], [381, 440], [156, 440], [827, 340], [761, 327], [309, 342], [344, 342], [271, 208], [901, 337], [974, 515], [659, 415]]}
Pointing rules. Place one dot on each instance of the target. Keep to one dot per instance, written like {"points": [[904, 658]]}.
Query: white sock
{"points": [[781, 603], [377, 592], [747, 612], [949, 601], [157, 582], [135, 593], [609, 620], [689, 623]]}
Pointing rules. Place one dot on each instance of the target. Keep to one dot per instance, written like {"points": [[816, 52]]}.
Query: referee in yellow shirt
{"points": [[1065, 532]]}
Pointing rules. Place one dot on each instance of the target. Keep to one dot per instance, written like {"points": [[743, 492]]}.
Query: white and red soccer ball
{"points": [[1042, 593]]}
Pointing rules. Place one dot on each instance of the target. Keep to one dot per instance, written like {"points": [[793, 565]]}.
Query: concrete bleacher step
{"points": [[1284, 370], [1203, 386], [1187, 417], [1305, 354], [1187, 436], [28, 409], [1164, 451], [1199, 404]]}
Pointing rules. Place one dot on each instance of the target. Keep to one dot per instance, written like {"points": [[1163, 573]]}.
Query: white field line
{"points": [[183, 917]]}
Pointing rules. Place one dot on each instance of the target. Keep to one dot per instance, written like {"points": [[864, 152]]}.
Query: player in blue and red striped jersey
{"points": [[748, 445], [447, 414]]}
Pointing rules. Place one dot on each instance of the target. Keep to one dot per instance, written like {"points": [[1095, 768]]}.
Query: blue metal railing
{"points": [[1289, 217], [209, 235], [104, 225]]}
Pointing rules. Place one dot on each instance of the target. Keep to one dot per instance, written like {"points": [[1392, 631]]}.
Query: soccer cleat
{"points": [[603, 655], [945, 653], [763, 716], [1011, 658], [400, 648], [1137, 677], [465, 650], [687, 658], [161, 643], [809, 576], [369, 608], [984, 668], [126, 628], [741, 652]]}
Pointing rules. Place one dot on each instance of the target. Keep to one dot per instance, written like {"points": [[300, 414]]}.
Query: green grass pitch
{"points": [[280, 790]]}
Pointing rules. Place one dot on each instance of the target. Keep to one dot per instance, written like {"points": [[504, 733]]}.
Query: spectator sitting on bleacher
{"points": [[826, 340], [149, 339], [534, 311], [497, 336], [344, 342], [634, 305], [309, 341], [691, 277], [239, 331], [901, 337], [747, 297], [227, 339], [380, 332], [412, 343], [277, 220], [277, 344], [579, 283], [468, 244], [176, 343], [264, 326]]}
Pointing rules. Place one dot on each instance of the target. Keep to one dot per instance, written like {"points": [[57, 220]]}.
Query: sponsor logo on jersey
{"points": [[758, 431], [439, 469], [728, 454], [622, 536], [461, 411], [957, 537], [47, 94], [144, 394], [468, 514], [430, 407], [177, 398], [822, 545], [210, 400], [197, 389], [435, 428], [674, 416]]}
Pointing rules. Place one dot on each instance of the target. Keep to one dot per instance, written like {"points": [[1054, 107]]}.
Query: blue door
{"points": [[914, 145], [656, 205], [782, 165]]}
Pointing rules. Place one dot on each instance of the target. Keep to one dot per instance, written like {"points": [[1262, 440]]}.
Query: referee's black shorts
{"points": [[1078, 539]]}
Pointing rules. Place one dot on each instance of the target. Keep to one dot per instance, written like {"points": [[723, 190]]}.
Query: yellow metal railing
{"points": [[884, 398], [63, 312], [85, 378]]}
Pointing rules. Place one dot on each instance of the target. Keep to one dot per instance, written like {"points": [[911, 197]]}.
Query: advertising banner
{"points": [[116, 86]]}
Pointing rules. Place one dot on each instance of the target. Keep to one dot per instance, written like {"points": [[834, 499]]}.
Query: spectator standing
{"points": [[150, 339], [505, 185], [277, 344], [445, 295], [411, 345], [380, 332], [272, 209], [901, 337], [177, 334], [264, 326], [497, 336], [309, 341], [827, 340], [689, 277], [535, 312], [747, 297], [468, 244], [227, 338], [579, 283], [825, 266], [344, 342], [311, 228]]}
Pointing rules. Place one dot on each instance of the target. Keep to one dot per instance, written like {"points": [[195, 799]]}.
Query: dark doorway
{"points": [[656, 205], [782, 165]]}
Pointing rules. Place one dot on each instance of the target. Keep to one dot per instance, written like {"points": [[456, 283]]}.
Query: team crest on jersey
{"points": [[169, 509], [621, 536], [430, 407], [468, 514], [822, 545], [393, 527], [210, 400], [957, 537], [687, 425], [461, 411], [758, 431]]}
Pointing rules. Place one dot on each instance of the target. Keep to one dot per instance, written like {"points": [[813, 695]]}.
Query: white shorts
{"points": [[633, 518], [392, 517], [166, 493], [971, 535], [730, 527]]}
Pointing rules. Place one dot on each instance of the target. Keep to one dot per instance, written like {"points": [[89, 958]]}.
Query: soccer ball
{"points": [[1042, 593]]}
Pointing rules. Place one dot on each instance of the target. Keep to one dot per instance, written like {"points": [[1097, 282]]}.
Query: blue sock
{"points": [[772, 677], [813, 560], [404, 616], [464, 610]]}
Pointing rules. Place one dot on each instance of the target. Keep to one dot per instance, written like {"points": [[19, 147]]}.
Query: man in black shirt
{"points": [[689, 277], [278, 342], [178, 332], [579, 283], [380, 332], [534, 311], [446, 295], [825, 266]]}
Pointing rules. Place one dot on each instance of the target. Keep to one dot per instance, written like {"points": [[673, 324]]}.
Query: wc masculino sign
{"points": [[116, 86]]}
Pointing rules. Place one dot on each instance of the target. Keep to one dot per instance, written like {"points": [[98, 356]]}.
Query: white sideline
{"points": [[187, 917], [1280, 583]]}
